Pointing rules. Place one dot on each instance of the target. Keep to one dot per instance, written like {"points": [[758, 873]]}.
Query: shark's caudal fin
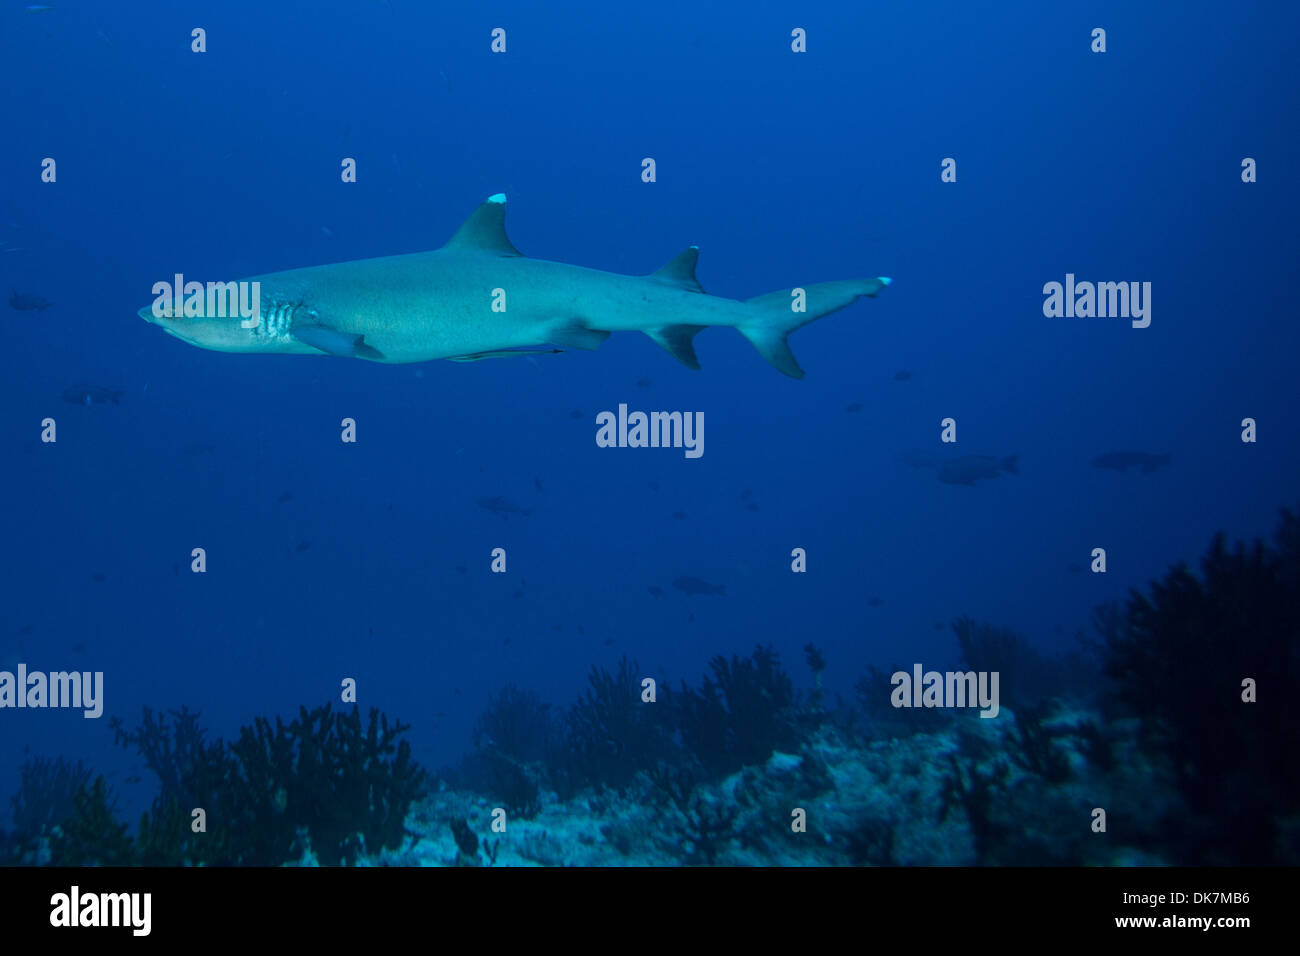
{"points": [[775, 317]]}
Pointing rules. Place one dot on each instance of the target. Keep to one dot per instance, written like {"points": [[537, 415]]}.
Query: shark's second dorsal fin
{"points": [[680, 270], [485, 230]]}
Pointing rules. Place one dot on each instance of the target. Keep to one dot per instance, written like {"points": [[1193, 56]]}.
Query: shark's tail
{"points": [[777, 314]]}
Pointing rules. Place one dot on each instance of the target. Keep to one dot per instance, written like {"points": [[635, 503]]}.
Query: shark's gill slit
{"points": [[278, 319]]}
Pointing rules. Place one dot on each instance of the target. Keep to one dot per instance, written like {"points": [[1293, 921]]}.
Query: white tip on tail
{"points": [[497, 198], [885, 280]]}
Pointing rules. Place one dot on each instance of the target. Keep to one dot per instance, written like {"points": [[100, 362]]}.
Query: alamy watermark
{"points": [[75, 908], [1105, 300], [948, 689], [179, 299], [80, 689], [651, 430]]}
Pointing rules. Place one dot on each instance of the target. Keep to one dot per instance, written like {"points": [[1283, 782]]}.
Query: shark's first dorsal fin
{"points": [[680, 271], [485, 230]]}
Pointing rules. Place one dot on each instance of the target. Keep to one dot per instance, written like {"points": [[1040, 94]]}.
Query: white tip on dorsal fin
{"points": [[680, 271], [485, 230]]}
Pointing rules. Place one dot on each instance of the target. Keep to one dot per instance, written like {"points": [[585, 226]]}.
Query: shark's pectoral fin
{"points": [[334, 342], [501, 353], [677, 342], [573, 335]]}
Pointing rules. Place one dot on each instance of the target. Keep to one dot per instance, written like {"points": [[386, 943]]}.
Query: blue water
{"points": [[329, 560]]}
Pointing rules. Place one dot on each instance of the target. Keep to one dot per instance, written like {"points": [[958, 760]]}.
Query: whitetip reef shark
{"points": [[479, 297]]}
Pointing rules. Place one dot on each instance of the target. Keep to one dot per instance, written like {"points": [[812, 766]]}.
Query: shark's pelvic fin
{"points": [[574, 335], [334, 342], [677, 342], [485, 230], [680, 271], [775, 317]]}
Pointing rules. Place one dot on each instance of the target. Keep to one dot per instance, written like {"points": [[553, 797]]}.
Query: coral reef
{"points": [[1178, 661], [323, 786]]}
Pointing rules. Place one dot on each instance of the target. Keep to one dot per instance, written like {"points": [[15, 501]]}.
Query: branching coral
{"points": [[1178, 661]]}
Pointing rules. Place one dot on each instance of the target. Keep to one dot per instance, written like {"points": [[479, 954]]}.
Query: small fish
{"points": [[902, 375], [1075, 568], [690, 585], [133, 779], [656, 590], [38, 8], [556, 627], [652, 485], [609, 642], [505, 642], [644, 383], [972, 468], [679, 515], [875, 602], [303, 546], [854, 408], [327, 232], [752, 506], [746, 494], [537, 483], [88, 394], [575, 414], [461, 569], [28, 303], [517, 595], [502, 506], [287, 496], [1124, 460], [79, 648], [581, 629], [99, 576]]}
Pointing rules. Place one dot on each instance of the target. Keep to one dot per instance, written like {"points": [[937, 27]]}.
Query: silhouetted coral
{"points": [[47, 793], [1026, 675], [742, 713], [92, 835], [516, 723], [1035, 749], [1179, 662], [612, 734], [321, 782]]}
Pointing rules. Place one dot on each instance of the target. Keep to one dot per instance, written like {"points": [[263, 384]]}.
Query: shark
{"points": [[479, 297]]}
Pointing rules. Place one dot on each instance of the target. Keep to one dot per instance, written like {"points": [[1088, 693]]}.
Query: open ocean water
{"points": [[920, 606]]}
